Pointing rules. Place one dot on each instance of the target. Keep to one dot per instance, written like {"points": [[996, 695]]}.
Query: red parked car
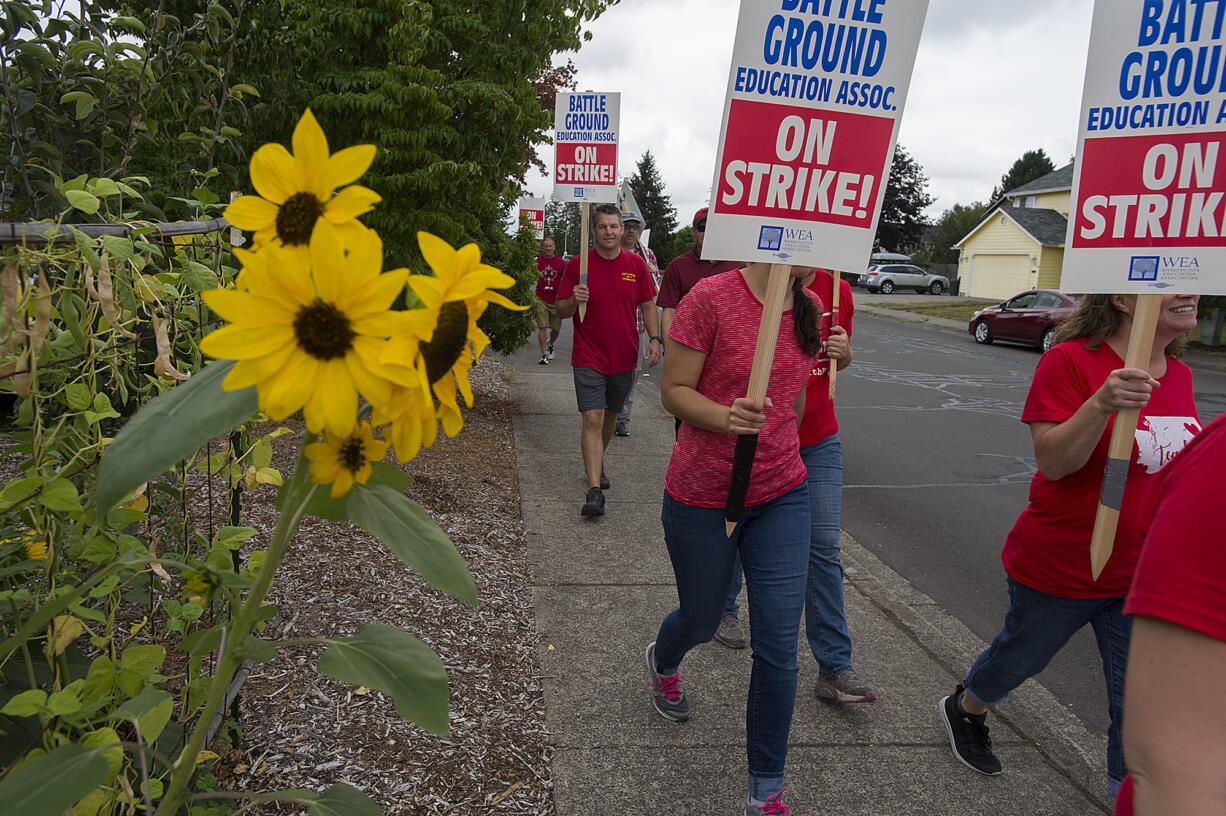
{"points": [[1030, 318]]}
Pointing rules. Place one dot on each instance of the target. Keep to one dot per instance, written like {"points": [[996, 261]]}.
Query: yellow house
{"points": [[1019, 244]]}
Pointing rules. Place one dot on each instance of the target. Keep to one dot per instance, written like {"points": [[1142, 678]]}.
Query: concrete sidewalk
{"points": [[601, 588]]}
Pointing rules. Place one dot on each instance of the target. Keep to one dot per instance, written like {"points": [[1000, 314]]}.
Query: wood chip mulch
{"points": [[301, 729]]}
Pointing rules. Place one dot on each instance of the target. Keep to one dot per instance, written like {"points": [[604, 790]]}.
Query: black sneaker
{"points": [[549, 353], [666, 693], [968, 736], [594, 504], [604, 481], [622, 429], [544, 360]]}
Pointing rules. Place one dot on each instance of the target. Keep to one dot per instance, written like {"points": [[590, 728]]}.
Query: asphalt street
{"points": [[937, 470]]}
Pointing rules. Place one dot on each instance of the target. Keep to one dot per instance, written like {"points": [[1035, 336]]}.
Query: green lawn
{"points": [[959, 310]]}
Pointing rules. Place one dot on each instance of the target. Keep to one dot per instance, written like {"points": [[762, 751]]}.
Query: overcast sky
{"points": [[993, 79]]}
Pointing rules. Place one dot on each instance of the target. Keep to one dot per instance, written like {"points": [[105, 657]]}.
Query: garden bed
{"points": [[301, 729], [960, 310]]}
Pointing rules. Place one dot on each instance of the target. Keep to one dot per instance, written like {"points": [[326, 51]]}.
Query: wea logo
{"points": [[770, 239]]}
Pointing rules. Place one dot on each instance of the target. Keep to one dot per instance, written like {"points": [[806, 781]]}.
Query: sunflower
{"points": [[343, 460], [454, 299], [36, 548], [310, 334], [296, 191]]}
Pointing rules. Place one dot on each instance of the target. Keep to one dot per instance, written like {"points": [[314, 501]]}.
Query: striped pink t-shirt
{"points": [[720, 318]]}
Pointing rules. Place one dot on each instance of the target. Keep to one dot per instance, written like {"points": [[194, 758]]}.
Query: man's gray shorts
{"points": [[602, 392]]}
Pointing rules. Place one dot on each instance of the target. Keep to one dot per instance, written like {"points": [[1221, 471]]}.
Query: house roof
{"points": [[1057, 180], [1046, 227]]}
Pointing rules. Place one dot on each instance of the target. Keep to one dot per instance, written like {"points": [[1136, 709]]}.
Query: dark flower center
{"points": [[450, 337], [296, 218], [323, 331], [353, 454]]}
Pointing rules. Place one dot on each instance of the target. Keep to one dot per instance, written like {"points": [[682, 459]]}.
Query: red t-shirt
{"points": [[1049, 546], [608, 338], [551, 275], [1181, 577], [683, 273], [819, 422], [720, 317]]}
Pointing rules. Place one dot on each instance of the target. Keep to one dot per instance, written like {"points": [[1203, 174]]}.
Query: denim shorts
{"points": [[602, 392]]}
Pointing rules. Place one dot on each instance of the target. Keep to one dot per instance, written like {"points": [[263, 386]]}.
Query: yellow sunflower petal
{"points": [[499, 300], [251, 213], [246, 308], [347, 166], [350, 203], [311, 154], [274, 174], [342, 485], [239, 342], [247, 373], [375, 296], [362, 476], [366, 371], [334, 402], [352, 232], [328, 263], [290, 388], [439, 254], [475, 282], [431, 291]]}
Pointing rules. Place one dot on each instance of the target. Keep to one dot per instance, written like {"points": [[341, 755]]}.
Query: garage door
{"points": [[997, 277]]}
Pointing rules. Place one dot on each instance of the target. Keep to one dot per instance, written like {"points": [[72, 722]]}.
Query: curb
{"points": [[1032, 712]]}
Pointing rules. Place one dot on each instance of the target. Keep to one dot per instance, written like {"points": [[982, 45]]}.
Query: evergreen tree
{"points": [[656, 207], [455, 95], [562, 223], [1033, 164], [906, 198], [953, 225]]}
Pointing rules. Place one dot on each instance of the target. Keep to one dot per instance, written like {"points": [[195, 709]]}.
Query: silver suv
{"points": [[885, 278]]}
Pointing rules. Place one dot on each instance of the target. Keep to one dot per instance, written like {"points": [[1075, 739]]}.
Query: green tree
{"points": [[1033, 164], [454, 93], [562, 222], [655, 205], [906, 198], [953, 225]]}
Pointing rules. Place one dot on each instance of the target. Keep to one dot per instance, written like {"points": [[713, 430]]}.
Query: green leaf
{"points": [[343, 800], [102, 410], [107, 740], [103, 187], [398, 664], [19, 489], [390, 475], [118, 247], [83, 201], [234, 537], [84, 101], [205, 196], [129, 24], [407, 530], [137, 665], [78, 395], [61, 495], [261, 454], [63, 702], [168, 429], [26, 704], [55, 782], [99, 680], [243, 88], [150, 710]]}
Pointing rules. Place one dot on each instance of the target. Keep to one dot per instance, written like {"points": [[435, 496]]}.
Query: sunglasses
{"points": [[701, 226]]}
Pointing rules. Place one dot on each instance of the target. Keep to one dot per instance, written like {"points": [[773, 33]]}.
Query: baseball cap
{"points": [[701, 215], [632, 215]]}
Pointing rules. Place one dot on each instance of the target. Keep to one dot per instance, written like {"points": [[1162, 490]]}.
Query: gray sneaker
{"points": [[845, 687], [730, 633], [666, 693]]}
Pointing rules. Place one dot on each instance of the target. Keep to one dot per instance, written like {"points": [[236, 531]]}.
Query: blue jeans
{"points": [[1037, 626], [772, 544], [825, 619]]}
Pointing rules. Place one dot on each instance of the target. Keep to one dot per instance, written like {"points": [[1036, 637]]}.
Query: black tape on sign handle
{"points": [[1115, 479], [742, 472]]}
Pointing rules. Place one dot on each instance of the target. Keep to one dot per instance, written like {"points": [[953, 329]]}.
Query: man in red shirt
{"points": [[688, 269], [549, 325], [606, 347]]}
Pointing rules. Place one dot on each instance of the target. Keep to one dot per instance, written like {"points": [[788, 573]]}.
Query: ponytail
{"points": [[805, 320]]}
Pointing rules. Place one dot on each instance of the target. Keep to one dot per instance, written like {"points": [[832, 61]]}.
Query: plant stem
{"points": [[298, 494]]}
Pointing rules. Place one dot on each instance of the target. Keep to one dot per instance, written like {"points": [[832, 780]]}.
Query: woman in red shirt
{"points": [[1176, 735], [1078, 387], [706, 375]]}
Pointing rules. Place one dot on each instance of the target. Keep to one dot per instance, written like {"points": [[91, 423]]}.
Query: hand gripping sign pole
{"points": [[1123, 436], [834, 321], [759, 378], [804, 152]]}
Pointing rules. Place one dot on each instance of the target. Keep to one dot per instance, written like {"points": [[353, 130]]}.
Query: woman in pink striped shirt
{"points": [[706, 376]]}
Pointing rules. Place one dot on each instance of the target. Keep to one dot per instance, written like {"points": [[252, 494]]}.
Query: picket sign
{"points": [[1147, 208], [834, 321], [584, 226], [778, 283]]}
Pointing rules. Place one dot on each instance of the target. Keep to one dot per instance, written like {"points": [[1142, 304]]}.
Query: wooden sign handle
{"points": [[1123, 436], [778, 283], [584, 226], [834, 321]]}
